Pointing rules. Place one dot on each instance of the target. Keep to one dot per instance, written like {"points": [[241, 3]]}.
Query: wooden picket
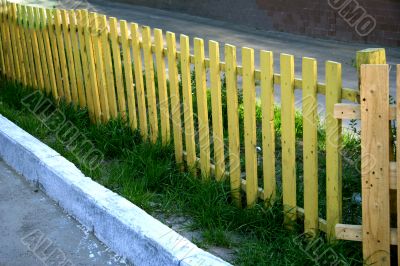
{"points": [[249, 101], [128, 74], [310, 145], [137, 60], [120, 70], [162, 86], [80, 85], [202, 110], [100, 70], [188, 103], [110, 89], [268, 127], [288, 139], [175, 97], [69, 55], [42, 50], [333, 146], [61, 53], [216, 104], [150, 86], [233, 123], [88, 25]]}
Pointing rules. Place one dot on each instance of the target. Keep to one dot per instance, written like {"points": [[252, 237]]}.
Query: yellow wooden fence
{"points": [[95, 62]]}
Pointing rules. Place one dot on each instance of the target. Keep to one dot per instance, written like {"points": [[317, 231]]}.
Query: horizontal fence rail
{"points": [[119, 69]]}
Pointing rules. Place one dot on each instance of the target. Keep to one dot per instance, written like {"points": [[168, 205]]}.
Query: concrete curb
{"points": [[125, 228]]}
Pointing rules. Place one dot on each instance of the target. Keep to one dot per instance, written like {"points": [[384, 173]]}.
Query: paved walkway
{"points": [[35, 231]]}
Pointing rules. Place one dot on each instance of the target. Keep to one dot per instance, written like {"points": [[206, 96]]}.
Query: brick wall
{"points": [[369, 21]]}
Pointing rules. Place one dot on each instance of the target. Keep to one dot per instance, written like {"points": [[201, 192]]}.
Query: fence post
{"points": [[375, 163], [378, 56]]}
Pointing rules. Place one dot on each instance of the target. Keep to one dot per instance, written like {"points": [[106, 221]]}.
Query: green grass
{"points": [[147, 175]]}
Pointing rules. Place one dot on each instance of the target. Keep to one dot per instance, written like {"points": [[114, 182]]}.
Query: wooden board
{"points": [[288, 139], [250, 138], [56, 60], [126, 51], [140, 94], [22, 76], [93, 93], [29, 46], [175, 97], [216, 105], [100, 70], [375, 163], [69, 57], [62, 56], [202, 110], [43, 37], [310, 146], [188, 103], [162, 86], [110, 89], [233, 123], [85, 65], [268, 127], [333, 148], [150, 85], [80, 83]]}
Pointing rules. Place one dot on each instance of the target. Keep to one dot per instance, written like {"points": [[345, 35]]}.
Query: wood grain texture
{"points": [[375, 163]]}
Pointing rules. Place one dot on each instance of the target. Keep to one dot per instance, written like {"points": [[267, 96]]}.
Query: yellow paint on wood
{"points": [[233, 123], [2, 42], [162, 86], [268, 127], [333, 148], [310, 146], [48, 52], [80, 84], [374, 92], [175, 97], [20, 53], [140, 94], [202, 110], [13, 55], [110, 89], [188, 104], [54, 47], [94, 91], [100, 72], [5, 40], [61, 54], [2, 59], [42, 50], [216, 105], [288, 139], [128, 75], [150, 86], [23, 46], [250, 141], [69, 56], [118, 67], [85, 65]]}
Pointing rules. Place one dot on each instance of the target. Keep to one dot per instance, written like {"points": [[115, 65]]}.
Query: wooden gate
{"points": [[379, 174]]}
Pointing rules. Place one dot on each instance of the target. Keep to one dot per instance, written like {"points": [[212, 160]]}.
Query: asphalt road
{"points": [[34, 230]]}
